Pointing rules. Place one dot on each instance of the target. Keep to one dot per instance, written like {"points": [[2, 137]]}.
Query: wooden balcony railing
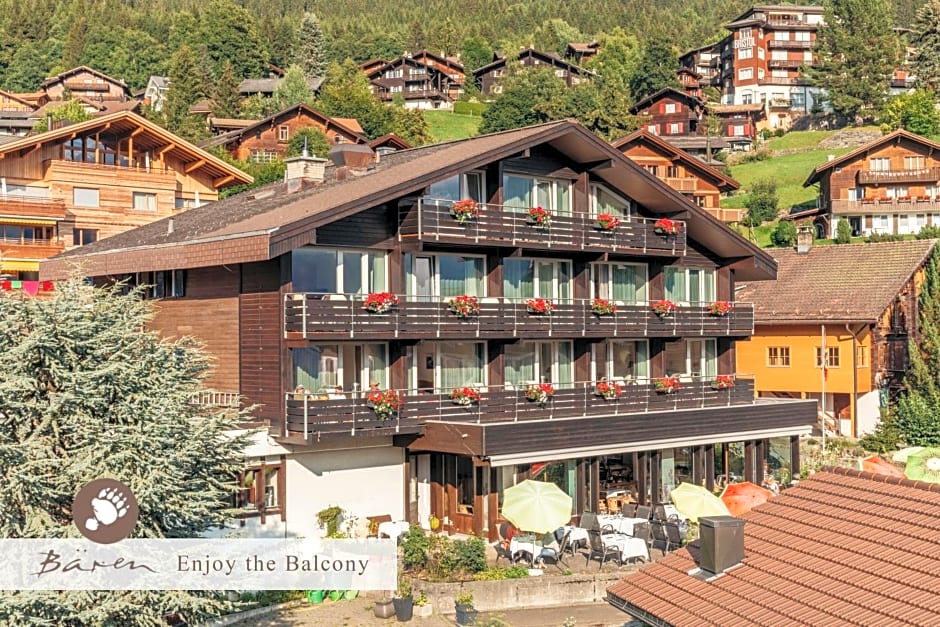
{"points": [[921, 175], [785, 63], [31, 249], [340, 316], [681, 183], [315, 416], [790, 44], [25, 207], [430, 220], [885, 205]]}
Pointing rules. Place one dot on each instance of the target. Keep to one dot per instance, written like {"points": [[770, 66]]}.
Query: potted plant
{"points": [[385, 404], [539, 306], [464, 210], [603, 307], [539, 217], [720, 308], [540, 393], [664, 308], [723, 382], [403, 601], [330, 519], [464, 306], [380, 302], [608, 390], [422, 606], [667, 385], [463, 604], [384, 608], [607, 222], [464, 396], [665, 226]]}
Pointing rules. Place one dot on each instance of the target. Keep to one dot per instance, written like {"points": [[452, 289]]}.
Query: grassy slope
{"points": [[789, 172], [446, 126]]}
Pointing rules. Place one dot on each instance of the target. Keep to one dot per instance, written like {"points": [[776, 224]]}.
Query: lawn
{"points": [[798, 140], [446, 126]]}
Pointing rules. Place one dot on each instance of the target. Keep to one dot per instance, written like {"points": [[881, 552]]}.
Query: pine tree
{"points": [[312, 49], [186, 88], [293, 89], [655, 69], [87, 393], [230, 34], [926, 39], [225, 94]]}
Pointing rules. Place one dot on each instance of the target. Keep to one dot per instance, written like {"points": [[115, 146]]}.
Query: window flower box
{"points": [[465, 210], [723, 382], [667, 385], [380, 302], [664, 308], [464, 306], [464, 396], [665, 226], [385, 404], [923, 198], [608, 390], [607, 222], [539, 217], [720, 308], [603, 307], [539, 306], [540, 393], [906, 197]]}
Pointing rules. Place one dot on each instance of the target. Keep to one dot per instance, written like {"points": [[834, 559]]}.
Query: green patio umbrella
{"points": [[536, 506], [901, 456], [924, 466], [694, 501]]}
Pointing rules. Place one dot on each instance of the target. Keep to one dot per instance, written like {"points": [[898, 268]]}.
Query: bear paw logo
{"points": [[108, 507]]}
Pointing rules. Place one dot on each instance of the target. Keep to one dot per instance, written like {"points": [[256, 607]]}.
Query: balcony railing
{"points": [[431, 220], [786, 43], [24, 207], [773, 80], [920, 175], [341, 316], [31, 249], [336, 414], [681, 183], [886, 205], [784, 63]]}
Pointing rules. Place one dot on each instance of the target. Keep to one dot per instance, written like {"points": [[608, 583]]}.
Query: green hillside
{"points": [[446, 125]]}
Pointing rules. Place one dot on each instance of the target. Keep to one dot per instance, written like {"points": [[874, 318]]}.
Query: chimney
{"points": [[356, 159], [804, 239], [721, 544], [303, 169], [169, 226]]}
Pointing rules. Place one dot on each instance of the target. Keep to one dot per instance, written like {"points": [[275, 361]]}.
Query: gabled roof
{"points": [[375, 72], [18, 98], [297, 109], [77, 70], [672, 92], [391, 140], [847, 283], [148, 136], [160, 82], [757, 107], [545, 57], [265, 223], [449, 61], [842, 547], [723, 182], [894, 136]]}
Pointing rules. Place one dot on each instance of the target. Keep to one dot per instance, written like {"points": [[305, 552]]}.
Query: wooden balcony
{"points": [[885, 205], [681, 183], [789, 44], [313, 419], [64, 171], [922, 175], [31, 249], [727, 215], [431, 220], [343, 317], [25, 207], [786, 63]]}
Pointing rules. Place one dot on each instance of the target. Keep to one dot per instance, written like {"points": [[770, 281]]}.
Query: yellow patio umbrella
{"points": [[902, 455], [536, 506], [694, 501]]}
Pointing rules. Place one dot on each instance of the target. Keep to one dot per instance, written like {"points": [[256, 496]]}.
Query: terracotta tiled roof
{"points": [[843, 547], [844, 283]]}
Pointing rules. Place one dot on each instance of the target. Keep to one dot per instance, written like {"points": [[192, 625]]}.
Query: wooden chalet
{"points": [[422, 86], [87, 181], [690, 80], [889, 185], [579, 52], [671, 112], [487, 77], [266, 140], [85, 82], [449, 65], [700, 182], [327, 300]]}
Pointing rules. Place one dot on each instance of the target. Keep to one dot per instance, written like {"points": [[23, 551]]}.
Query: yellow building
{"points": [[835, 325]]}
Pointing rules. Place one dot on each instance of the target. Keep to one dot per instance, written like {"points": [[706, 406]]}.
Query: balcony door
{"points": [[692, 358], [532, 278], [605, 201], [343, 368], [467, 185], [621, 282], [526, 363], [626, 361], [331, 271], [690, 286], [430, 277], [520, 193], [439, 367]]}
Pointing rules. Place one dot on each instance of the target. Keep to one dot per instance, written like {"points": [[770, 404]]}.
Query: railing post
{"points": [[303, 312], [306, 431], [420, 219]]}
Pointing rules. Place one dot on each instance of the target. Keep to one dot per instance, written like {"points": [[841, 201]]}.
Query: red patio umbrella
{"points": [[878, 464], [741, 497]]}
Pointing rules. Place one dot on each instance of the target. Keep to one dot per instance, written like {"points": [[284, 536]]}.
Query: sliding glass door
{"points": [[693, 358], [331, 271], [526, 363], [689, 285], [439, 367], [621, 282], [340, 368], [531, 278], [521, 193], [622, 360], [443, 276]]}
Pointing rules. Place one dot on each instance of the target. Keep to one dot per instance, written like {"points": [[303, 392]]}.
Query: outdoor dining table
{"points": [[620, 524], [629, 546], [531, 545], [576, 534], [393, 529]]}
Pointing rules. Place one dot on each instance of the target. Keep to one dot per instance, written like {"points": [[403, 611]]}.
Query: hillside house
{"points": [[85, 82], [487, 77], [420, 85]]}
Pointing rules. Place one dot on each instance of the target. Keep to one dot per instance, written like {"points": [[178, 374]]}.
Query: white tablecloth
{"points": [[670, 510], [525, 544], [629, 546], [393, 529], [619, 524], [576, 534]]}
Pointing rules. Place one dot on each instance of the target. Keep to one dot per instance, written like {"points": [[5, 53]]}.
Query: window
{"points": [[538, 362], [163, 284], [738, 130], [419, 71], [144, 202], [833, 354], [675, 128], [801, 35], [695, 358], [689, 285], [340, 368], [879, 164], [760, 53], [329, 271], [778, 356], [259, 489], [605, 201], [627, 360], [522, 192], [283, 133], [443, 366], [85, 197], [747, 98], [395, 89], [897, 191], [262, 156], [84, 236], [745, 73], [745, 53], [700, 201], [536, 278], [652, 169], [394, 73], [672, 171], [434, 276], [915, 162], [861, 356], [670, 107], [622, 282], [466, 185], [778, 55], [881, 224], [653, 129]]}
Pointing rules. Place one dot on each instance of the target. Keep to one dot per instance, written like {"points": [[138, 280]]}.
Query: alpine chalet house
{"points": [[425, 329]]}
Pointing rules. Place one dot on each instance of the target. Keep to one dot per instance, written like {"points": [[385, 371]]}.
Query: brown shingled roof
{"points": [[844, 283], [894, 136], [844, 547]]}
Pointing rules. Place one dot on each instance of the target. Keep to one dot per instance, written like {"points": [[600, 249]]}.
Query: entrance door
{"points": [[421, 490]]}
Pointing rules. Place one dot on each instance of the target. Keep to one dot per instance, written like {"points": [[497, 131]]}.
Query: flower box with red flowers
{"points": [[464, 396], [923, 197], [608, 390], [539, 217], [723, 382], [540, 392], [667, 385], [665, 226], [664, 308], [464, 306], [603, 307], [464, 210], [607, 222], [539, 306], [720, 308], [385, 403], [380, 302]]}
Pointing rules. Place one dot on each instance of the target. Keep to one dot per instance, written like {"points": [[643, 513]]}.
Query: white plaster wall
{"points": [[869, 412]]}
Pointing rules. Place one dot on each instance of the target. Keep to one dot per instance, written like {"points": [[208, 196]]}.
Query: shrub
{"points": [[779, 132], [784, 234], [414, 547], [762, 203], [929, 232], [497, 574], [471, 555], [843, 232], [884, 237]]}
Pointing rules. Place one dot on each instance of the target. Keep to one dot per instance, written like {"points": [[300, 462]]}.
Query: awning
{"points": [[28, 221], [19, 265]]}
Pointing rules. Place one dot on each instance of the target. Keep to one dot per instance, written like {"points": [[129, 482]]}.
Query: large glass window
{"points": [[689, 285], [466, 185], [623, 282], [340, 368], [692, 358], [605, 201], [531, 278], [434, 276], [328, 271], [443, 366], [622, 360], [85, 197], [523, 192], [538, 362]]}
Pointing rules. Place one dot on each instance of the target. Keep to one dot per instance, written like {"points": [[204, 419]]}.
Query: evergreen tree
{"points": [[926, 39], [915, 112], [843, 232], [554, 35], [346, 93], [313, 138], [87, 393], [858, 51], [186, 88], [230, 34], [225, 94], [293, 89], [312, 49], [28, 67], [74, 48], [410, 125], [616, 59], [476, 52], [530, 96], [655, 69]]}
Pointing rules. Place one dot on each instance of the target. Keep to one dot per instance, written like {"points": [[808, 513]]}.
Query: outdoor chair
{"points": [[597, 548], [556, 554], [589, 521], [673, 536], [659, 513], [659, 539], [643, 511], [629, 510], [642, 531]]}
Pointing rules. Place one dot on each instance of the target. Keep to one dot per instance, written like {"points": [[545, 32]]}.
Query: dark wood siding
{"points": [[367, 228], [260, 340]]}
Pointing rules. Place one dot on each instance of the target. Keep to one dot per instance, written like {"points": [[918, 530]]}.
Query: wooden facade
{"points": [[85, 82], [488, 77], [420, 84], [12, 102]]}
